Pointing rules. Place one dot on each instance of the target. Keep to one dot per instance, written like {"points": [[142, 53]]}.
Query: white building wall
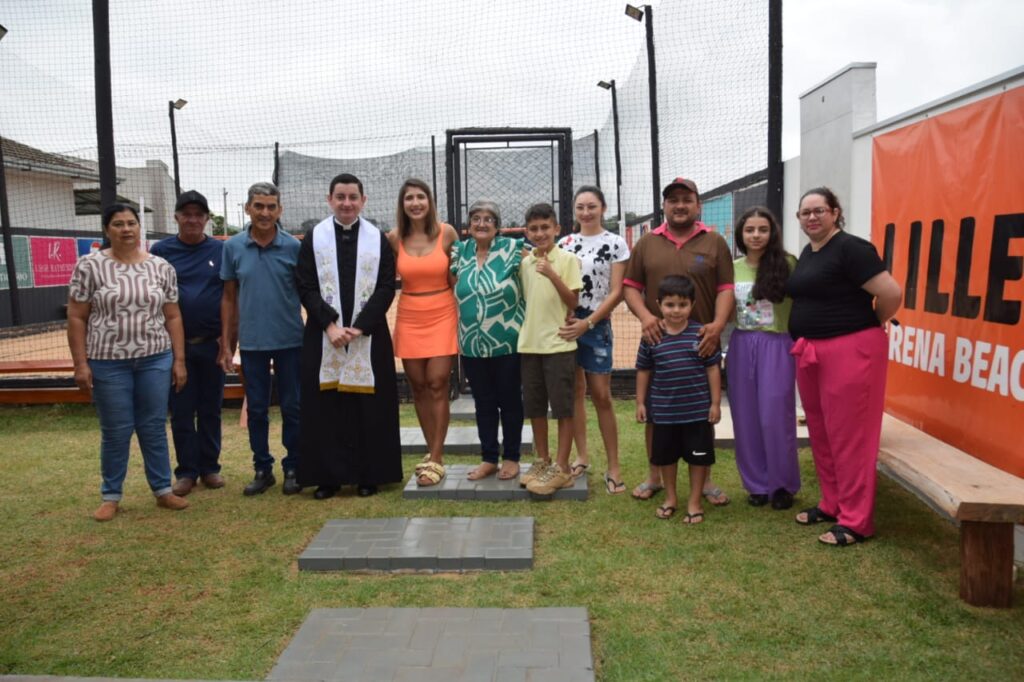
{"points": [[829, 114], [793, 239], [40, 200]]}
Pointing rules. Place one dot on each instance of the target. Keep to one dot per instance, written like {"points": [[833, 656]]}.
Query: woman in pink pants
{"points": [[842, 298]]}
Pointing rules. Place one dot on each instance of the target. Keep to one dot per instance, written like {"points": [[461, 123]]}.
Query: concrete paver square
{"points": [[422, 544], [456, 486], [449, 644]]}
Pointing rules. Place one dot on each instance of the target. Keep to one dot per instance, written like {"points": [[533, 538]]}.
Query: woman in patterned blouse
{"points": [[490, 314], [128, 346]]}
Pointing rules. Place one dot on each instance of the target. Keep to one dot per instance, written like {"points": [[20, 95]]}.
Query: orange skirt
{"points": [[426, 326]]}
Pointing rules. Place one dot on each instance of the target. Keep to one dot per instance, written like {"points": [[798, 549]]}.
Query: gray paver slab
{"points": [[456, 486], [437, 644], [461, 440], [423, 544]]}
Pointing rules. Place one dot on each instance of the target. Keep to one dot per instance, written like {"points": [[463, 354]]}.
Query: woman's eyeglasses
{"points": [[816, 212]]}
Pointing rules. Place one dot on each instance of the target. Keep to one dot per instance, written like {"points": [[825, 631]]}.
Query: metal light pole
{"points": [[5, 224], [618, 158], [171, 106], [652, 87], [775, 168]]}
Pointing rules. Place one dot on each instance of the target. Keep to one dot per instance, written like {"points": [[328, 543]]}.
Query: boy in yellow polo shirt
{"points": [[551, 283]]}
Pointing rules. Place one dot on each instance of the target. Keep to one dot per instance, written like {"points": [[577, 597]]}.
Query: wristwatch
{"points": [[590, 323]]}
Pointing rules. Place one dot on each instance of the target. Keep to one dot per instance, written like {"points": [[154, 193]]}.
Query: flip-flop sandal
{"points": [[433, 473], [579, 469], [692, 519], [716, 497], [645, 487], [474, 474], [814, 515], [613, 487], [503, 476], [665, 512], [843, 536]]}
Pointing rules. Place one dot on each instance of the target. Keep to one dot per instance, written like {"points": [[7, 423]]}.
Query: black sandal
{"points": [[843, 535], [815, 515]]}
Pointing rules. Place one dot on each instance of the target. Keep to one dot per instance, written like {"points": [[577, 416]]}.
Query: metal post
{"points": [[277, 164], [775, 169], [224, 225], [652, 87], [174, 150], [433, 166], [104, 108], [5, 222], [618, 161], [449, 169], [597, 159]]}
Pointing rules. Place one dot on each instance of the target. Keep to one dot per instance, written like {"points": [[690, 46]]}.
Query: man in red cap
{"points": [[682, 245]]}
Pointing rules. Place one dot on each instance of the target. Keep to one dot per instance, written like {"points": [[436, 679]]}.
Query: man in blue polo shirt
{"points": [[260, 312], [195, 410]]}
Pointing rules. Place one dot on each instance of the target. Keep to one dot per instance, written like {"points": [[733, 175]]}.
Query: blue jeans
{"points": [[195, 412], [498, 396], [256, 369], [131, 395]]}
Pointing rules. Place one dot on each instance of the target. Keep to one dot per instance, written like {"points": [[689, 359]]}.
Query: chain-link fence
{"points": [[298, 92]]}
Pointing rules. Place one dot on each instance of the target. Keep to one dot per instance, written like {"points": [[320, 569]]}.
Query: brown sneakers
{"points": [[551, 480], [536, 470], [171, 501], [106, 511]]}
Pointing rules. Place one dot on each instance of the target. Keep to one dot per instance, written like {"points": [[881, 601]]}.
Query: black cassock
{"points": [[348, 438]]}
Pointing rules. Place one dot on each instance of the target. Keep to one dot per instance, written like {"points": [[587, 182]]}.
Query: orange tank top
{"points": [[421, 274]]}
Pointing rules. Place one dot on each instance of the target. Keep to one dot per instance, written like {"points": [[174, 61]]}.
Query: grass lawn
{"points": [[214, 593]]}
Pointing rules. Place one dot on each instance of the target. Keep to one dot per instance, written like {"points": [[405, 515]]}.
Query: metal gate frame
{"points": [[455, 153]]}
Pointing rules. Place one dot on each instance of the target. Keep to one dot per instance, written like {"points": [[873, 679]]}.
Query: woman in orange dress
{"points": [[425, 330]]}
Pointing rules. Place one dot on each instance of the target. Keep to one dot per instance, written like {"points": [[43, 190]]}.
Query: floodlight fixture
{"points": [[171, 106], [604, 84], [635, 12], [3, 32]]}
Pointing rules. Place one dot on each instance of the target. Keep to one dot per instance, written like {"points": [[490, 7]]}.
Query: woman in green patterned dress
{"points": [[490, 301]]}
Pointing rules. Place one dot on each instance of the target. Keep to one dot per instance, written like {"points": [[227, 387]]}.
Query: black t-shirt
{"points": [[826, 288]]}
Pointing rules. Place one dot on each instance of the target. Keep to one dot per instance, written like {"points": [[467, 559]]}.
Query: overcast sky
{"points": [[372, 78]]}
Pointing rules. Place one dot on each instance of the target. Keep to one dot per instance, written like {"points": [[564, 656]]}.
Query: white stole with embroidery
{"points": [[346, 369]]}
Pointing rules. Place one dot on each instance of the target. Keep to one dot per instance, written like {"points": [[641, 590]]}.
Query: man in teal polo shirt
{"points": [[260, 313]]}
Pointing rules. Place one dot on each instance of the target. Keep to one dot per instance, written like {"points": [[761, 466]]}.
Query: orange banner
{"points": [[948, 215]]}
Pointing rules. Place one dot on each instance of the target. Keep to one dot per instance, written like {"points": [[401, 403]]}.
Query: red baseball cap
{"points": [[680, 182]]}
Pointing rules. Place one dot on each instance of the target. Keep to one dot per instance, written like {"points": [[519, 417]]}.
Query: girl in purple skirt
{"points": [[761, 372]]}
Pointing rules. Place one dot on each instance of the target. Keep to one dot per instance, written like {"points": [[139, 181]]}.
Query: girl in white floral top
{"points": [[603, 257]]}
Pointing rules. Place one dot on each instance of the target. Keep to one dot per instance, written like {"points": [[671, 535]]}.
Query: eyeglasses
{"points": [[816, 212], [482, 220]]}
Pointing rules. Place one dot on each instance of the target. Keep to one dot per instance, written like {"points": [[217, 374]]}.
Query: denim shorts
{"points": [[594, 349]]}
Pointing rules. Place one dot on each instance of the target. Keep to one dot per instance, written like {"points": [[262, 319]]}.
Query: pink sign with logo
{"points": [[53, 259]]}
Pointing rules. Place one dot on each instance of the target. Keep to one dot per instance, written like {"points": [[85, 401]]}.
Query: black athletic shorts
{"points": [[693, 442]]}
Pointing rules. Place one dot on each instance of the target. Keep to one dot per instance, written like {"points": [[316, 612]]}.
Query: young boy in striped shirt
{"points": [[680, 393]]}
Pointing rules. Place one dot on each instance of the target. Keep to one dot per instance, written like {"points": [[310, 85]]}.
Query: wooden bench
{"points": [[983, 500], [61, 394]]}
